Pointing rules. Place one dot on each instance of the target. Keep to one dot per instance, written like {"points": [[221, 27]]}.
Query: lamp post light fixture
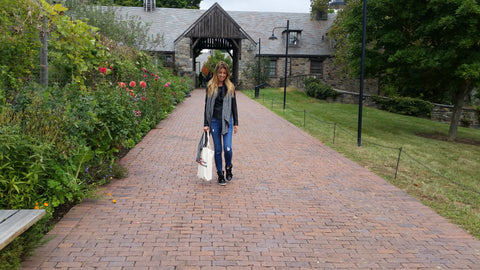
{"points": [[336, 4], [273, 37]]}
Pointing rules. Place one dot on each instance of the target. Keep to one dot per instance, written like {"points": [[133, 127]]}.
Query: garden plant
{"points": [[60, 142]]}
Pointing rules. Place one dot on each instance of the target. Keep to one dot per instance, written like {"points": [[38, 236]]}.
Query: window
{"points": [[293, 39], [271, 67], [316, 67]]}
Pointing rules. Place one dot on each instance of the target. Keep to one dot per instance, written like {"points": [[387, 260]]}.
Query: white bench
{"points": [[15, 222]]}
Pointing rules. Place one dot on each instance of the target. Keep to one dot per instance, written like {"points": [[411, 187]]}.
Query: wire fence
{"points": [[400, 149]]}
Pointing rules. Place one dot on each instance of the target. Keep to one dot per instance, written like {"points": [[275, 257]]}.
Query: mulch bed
{"points": [[443, 137]]}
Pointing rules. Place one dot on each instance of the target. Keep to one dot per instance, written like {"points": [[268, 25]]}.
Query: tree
{"points": [[216, 57], [193, 4], [252, 72], [125, 29], [428, 49], [19, 43], [318, 9]]}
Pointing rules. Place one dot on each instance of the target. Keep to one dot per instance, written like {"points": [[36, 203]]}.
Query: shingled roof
{"points": [[171, 23]]}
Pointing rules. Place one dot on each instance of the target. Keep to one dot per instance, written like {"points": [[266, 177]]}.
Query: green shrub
{"points": [[405, 105], [57, 143], [12, 255], [310, 80], [320, 91], [19, 42]]}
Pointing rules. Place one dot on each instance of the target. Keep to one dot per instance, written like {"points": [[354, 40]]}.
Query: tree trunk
{"points": [[457, 111]]}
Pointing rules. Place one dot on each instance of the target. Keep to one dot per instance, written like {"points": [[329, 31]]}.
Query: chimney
{"points": [[148, 5]]}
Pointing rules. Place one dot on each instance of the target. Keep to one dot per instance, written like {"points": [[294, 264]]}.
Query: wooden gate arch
{"points": [[216, 29]]}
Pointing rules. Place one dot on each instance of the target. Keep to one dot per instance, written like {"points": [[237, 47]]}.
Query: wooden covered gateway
{"points": [[216, 29]]}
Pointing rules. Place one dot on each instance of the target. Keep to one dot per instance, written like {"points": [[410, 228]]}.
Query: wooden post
{"points": [[44, 52]]}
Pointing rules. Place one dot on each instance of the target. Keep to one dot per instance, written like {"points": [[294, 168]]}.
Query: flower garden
{"points": [[59, 142]]}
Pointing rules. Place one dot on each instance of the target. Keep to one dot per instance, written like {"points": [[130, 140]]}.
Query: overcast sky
{"points": [[300, 6]]}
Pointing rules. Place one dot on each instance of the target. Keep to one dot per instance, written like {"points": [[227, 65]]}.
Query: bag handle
{"points": [[205, 139]]}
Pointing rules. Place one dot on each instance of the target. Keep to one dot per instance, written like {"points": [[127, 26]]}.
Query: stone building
{"points": [[244, 35]]}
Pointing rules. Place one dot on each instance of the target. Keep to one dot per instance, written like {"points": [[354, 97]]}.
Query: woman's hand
{"points": [[206, 129], [235, 129]]}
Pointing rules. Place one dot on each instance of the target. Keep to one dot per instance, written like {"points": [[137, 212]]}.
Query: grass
{"points": [[442, 175]]}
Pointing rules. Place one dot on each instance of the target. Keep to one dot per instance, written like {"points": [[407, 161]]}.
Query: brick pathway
{"points": [[293, 204]]}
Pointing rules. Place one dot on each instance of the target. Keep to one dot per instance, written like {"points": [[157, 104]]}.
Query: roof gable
{"points": [[215, 23]]}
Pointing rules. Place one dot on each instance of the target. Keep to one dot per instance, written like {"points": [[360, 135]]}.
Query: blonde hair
{"points": [[213, 83]]}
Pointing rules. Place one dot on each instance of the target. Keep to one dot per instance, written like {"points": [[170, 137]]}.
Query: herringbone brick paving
{"points": [[293, 204]]}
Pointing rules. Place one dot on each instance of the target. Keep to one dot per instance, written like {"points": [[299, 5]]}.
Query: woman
{"points": [[221, 118]]}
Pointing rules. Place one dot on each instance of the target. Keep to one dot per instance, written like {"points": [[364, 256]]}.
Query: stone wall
{"points": [[183, 62], [332, 75], [299, 69], [443, 113], [249, 51], [440, 113]]}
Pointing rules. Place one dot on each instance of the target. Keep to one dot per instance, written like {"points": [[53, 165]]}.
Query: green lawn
{"points": [[443, 175]]}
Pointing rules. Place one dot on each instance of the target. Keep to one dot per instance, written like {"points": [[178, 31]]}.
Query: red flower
{"points": [[111, 68], [143, 98], [153, 74], [144, 69], [102, 70], [133, 84], [143, 84], [122, 85], [145, 75]]}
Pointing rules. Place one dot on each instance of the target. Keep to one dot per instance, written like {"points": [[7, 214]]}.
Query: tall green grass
{"points": [[443, 175]]}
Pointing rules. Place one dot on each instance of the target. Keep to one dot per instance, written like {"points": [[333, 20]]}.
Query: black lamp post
{"points": [[362, 75], [273, 37], [259, 51]]}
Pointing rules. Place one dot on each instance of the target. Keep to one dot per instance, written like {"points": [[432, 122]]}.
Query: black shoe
{"points": [[229, 173], [221, 178]]}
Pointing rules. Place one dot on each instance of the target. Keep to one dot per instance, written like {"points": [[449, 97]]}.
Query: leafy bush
{"points": [[320, 90], [405, 105], [19, 42], [12, 255], [310, 80], [58, 142]]}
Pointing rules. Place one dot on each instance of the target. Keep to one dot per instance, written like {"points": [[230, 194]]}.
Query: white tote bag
{"points": [[205, 165]]}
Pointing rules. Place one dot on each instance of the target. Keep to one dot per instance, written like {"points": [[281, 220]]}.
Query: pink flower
{"points": [[156, 77], [138, 113], [167, 84], [143, 84], [153, 74], [144, 98], [133, 84], [173, 93], [145, 75], [122, 85], [144, 69]]}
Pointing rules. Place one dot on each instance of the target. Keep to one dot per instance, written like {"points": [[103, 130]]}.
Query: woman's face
{"points": [[222, 75]]}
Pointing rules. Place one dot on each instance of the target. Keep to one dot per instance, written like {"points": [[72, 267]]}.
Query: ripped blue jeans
{"points": [[216, 130]]}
